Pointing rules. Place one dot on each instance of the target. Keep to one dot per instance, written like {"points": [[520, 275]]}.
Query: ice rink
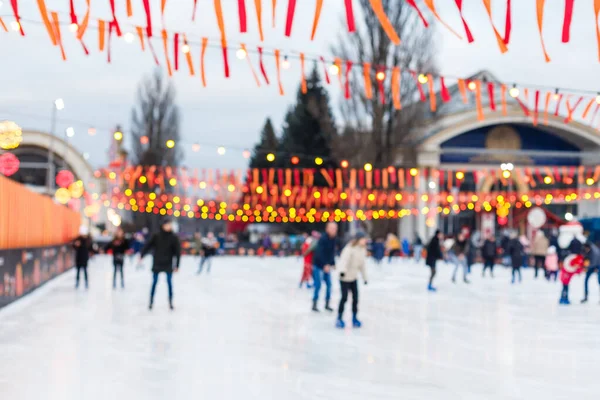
{"points": [[245, 331]]}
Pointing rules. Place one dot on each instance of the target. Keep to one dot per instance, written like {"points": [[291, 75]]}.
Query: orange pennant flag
{"points": [[45, 20], [499, 39], [163, 4], [431, 6], [165, 38], [432, 95], [303, 76], [396, 88], [273, 11], [3, 25], [480, 115], [596, 12], [338, 63], [540, 21], [258, 7], [243, 46], [204, 44], [462, 87], [587, 108], [368, 84], [84, 22], [56, 24], [101, 30], [546, 104], [278, 66], [318, 8], [129, 9], [386, 25], [140, 32], [188, 56], [503, 98]]}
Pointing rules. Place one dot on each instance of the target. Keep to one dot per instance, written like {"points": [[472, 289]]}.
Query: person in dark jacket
{"points": [[209, 246], [118, 246], [378, 250], [576, 246], [324, 262], [592, 255], [166, 247], [515, 251], [488, 253], [458, 255], [83, 247], [434, 253]]}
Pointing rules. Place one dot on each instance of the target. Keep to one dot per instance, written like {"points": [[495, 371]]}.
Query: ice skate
{"points": [[355, 322], [431, 288], [327, 306], [314, 307], [584, 300], [340, 324]]}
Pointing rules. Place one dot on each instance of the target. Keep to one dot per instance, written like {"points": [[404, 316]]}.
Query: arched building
{"points": [[455, 138]]}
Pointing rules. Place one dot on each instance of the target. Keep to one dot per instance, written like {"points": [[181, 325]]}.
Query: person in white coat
{"points": [[352, 262]]}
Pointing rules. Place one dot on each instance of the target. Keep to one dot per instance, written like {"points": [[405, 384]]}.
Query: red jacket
{"points": [[308, 258]]}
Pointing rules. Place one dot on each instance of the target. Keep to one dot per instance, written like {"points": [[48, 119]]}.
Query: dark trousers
{"points": [[540, 262], [348, 287], [564, 295], [79, 268], [393, 253], [488, 263], [432, 275], [169, 284], [588, 274], [551, 274], [516, 271], [118, 269], [208, 261]]}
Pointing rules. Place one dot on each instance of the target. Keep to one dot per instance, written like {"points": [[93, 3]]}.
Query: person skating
{"points": [[308, 249], [434, 253], [352, 262], [515, 251], [572, 266], [83, 247], [118, 246], [539, 248], [592, 255], [551, 263], [378, 250], [209, 249], [392, 245], [488, 253], [324, 262], [417, 249], [166, 247], [458, 256]]}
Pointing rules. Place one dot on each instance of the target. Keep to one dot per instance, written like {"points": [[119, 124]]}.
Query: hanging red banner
{"points": [[15, 7], [499, 38], [289, 21], [414, 5], [444, 90], [467, 30], [242, 16], [566, 28], [261, 65], [490, 87], [221, 24], [349, 16]]}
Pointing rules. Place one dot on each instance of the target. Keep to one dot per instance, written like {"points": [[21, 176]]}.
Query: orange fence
{"points": [[29, 219]]}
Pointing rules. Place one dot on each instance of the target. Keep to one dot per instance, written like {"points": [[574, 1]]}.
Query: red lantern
{"points": [[64, 178], [9, 164], [502, 221], [144, 140], [295, 160]]}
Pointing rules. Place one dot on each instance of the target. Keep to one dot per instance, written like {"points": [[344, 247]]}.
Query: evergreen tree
{"points": [[268, 144], [309, 130]]}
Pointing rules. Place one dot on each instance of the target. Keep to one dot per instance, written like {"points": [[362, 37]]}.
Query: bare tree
{"points": [[379, 130], [154, 121]]}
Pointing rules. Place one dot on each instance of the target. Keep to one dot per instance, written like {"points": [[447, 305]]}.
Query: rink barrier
{"points": [[29, 219], [23, 270]]}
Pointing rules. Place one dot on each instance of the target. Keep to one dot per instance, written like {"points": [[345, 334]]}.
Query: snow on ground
{"points": [[246, 332]]}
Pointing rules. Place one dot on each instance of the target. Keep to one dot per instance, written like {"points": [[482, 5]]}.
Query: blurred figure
{"points": [[592, 255], [266, 242], [551, 263], [378, 250], [118, 246], [458, 256], [324, 262], [417, 249], [539, 248], [308, 249], [515, 251], [83, 247], [405, 247], [136, 246], [488, 253], [352, 262], [166, 247], [434, 253], [209, 249], [573, 265], [392, 245]]}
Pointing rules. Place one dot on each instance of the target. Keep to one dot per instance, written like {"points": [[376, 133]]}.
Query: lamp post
{"points": [[58, 105]]}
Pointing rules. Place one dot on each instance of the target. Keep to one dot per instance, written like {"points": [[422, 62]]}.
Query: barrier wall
{"points": [[29, 219]]}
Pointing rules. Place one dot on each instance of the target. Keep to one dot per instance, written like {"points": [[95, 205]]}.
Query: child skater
{"points": [[118, 246], [352, 261], [308, 248], [551, 263], [572, 265]]}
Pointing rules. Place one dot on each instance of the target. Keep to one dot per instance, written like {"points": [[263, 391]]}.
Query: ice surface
{"points": [[246, 332]]}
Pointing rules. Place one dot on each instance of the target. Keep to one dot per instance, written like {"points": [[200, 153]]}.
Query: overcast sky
{"points": [[230, 112]]}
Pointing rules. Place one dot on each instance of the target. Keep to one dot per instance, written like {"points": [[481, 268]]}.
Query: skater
{"points": [[323, 263], [352, 261], [118, 246], [417, 249], [488, 253], [458, 256], [434, 253], [592, 255], [209, 249], [539, 248], [551, 263], [83, 247], [405, 248], [515, 252], [308, 249], [166, 248], [572, 265], [392, 245], [378, 250], [136, 246]]}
